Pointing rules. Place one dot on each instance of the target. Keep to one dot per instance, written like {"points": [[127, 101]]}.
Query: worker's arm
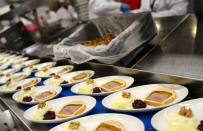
{"points": [[175, 7], [105, 7]]}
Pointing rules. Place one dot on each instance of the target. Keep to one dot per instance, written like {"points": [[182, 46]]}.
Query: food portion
{"points": [[127, 100], [89, 87], [52, 71], [32, 82], [105, 40], [71, 109], [44, 73], [81, 76], [43, 112], [183, 120], [9, 86], [160, 97], [74, 126], [113, 85], [39, 67], [57, 80], [110, 125], [45, 95], [27, 94]]}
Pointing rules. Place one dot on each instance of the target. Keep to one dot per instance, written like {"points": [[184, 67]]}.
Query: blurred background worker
{"points": [[66, 14], [98, 8], [159, 8]]}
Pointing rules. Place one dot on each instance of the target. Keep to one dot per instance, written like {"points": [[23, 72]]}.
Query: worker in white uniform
{"points": [[50, 17], [159, 8], [66, 14]]}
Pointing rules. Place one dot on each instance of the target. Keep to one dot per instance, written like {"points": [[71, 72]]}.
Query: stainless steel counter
{"points": [[180, 52]]}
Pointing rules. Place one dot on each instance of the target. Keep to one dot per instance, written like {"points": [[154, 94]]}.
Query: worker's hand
{"points": [[125, 8]]}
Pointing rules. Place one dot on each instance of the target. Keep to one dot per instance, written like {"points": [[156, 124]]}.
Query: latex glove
{"points": [[125, 8]]}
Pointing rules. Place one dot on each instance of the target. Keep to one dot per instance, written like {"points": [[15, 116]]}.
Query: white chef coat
{"points": [[159, 8], [65, 16], [51, 18], [98, 8]]}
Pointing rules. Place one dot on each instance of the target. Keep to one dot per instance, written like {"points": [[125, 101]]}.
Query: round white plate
{"points": [[40, 66], [39, 89], [19, 83], [3, 81], [100, 81], [158, 121], [57, 104], [68, 76], [55, 69], [131, 123], [142, 91]]}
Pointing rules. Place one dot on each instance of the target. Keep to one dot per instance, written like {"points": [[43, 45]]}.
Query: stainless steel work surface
{"points": [[180, 53]]}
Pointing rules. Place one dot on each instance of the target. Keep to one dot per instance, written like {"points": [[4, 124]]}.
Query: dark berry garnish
{"points": [[53, 74], [139, 104], [49, 115], [65, 82], [18, 88], [27, 99], [96, 90], [200, 126]]}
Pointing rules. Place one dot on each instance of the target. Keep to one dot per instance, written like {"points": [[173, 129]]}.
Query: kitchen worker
{"points": [[50, 17], [159, 8], [66, 14]]}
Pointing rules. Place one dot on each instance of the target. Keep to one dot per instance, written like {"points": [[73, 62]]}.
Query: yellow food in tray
{"points": [[105, 40], [181, 121]]}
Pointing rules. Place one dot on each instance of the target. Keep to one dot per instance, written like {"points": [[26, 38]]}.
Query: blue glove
{"points": [[125, 7]]}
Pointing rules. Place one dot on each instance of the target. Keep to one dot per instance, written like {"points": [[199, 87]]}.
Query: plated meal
{"points": [[27, 63], [38, 67], [69, 78], [102, 122], [61, 109], [145, 98], [36, 94], [186, 116], [12, 87], [9, 71], [14, 77], [103, 86], [48, 72]]}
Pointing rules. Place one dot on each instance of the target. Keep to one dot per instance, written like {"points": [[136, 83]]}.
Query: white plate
{"points": [[27, 63], [3, 80], [129, 81], [40, 66], [142, 91], [57, 104], [55, 69], [68, 76], [39, 89], [158, 121], [19, 83], [11, 69], [131, 123]]}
